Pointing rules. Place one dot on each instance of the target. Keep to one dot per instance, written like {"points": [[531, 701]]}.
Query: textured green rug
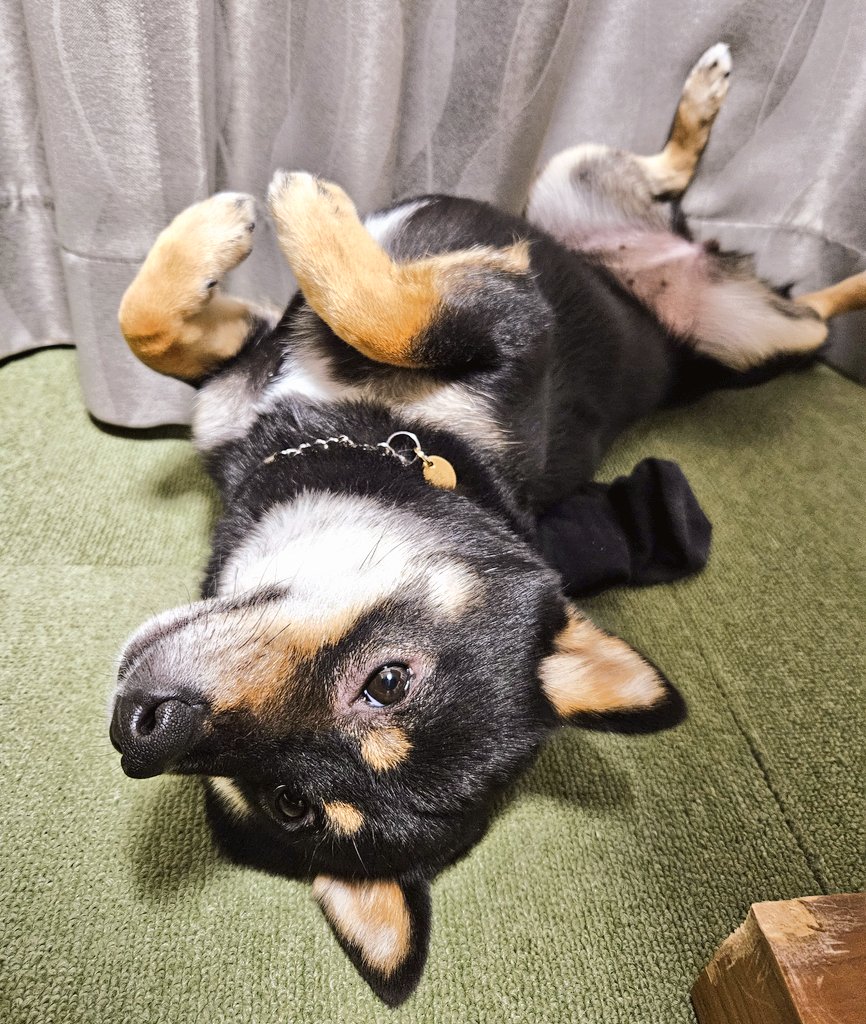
{"points": [[601, 891]]}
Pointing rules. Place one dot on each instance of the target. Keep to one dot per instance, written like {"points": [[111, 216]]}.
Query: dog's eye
{"points": [[290, 806], [387, 685]]}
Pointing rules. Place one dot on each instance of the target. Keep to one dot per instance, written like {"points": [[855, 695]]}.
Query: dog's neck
{"points": [[264, 481]]}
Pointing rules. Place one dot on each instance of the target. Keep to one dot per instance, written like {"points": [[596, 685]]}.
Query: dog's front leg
{"points": [[173, 315], [395, 313]]}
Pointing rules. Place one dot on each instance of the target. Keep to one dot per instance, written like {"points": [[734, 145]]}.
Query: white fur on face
{"points": [[342, 554], [229, 796], [159, 624], [333, 558]]}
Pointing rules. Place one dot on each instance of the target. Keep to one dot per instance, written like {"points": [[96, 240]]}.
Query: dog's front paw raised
{"points": [[310, 214], [212, 237]]}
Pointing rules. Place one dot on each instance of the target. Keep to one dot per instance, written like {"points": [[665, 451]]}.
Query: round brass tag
{"points": [[440, 473]]}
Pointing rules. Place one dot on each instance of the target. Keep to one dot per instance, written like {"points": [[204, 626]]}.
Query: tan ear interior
{"points": [[371, 915], [590, 672]]}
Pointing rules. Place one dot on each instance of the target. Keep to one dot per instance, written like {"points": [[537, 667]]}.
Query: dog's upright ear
{"points": [[384, 927], [598, 681]]}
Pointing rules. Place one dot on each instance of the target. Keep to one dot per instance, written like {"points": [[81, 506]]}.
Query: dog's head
{"points": [[366, 681]]}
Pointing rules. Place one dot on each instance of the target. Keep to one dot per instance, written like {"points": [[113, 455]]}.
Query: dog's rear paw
{"points": [[707, 83]]}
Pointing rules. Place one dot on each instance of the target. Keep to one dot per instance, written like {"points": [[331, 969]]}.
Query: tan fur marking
{"points": [[171, 320], [592, 672], [343, 818], [377, 306], [370, 915], [842, 297], [453, 588], [246, 674], [230, 795], [385, 748]]}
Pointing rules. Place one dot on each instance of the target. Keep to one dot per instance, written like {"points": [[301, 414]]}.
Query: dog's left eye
{"points": [[387, 685], [291, 807]]}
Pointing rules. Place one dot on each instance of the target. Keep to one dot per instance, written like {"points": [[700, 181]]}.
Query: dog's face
{"points": [[365, 683]]}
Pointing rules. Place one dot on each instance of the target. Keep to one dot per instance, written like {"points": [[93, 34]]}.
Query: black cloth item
{"points": [[643, 528]]}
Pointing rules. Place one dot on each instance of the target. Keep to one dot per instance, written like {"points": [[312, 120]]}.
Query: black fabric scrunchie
{"points": [[643, 528]]}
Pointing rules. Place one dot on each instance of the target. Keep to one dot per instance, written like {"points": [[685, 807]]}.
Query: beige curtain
{"points": [[117, 113]]}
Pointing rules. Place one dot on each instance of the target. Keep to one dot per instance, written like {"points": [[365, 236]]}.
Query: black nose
{"points": [[153, 734]]}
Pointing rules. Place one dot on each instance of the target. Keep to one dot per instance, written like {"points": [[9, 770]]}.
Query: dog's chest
{"points": [[228, 407], [308, 375]]}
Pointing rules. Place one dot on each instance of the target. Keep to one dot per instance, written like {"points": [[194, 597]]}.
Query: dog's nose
{"points": [[153, 734]]}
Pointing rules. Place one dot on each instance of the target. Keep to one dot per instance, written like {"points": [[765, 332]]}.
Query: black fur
{"points": [[565, 359]]}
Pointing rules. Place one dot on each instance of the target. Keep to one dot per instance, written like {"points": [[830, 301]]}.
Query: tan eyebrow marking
{"points": [[343, 818], [230, 795], [385, 748]]}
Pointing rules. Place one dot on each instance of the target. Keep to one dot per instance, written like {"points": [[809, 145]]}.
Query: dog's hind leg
{"points": [[752, 333], [842, 297], [612, 206], [173, 315], [587, 190], [670, 172], [719, 306]]}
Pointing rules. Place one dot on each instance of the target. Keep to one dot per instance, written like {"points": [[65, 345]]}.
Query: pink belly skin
{"points": [[667, 273], [711, 300]]}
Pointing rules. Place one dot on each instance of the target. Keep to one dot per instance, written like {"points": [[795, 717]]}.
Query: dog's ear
{"points": [[598, 681], [384, 926]]}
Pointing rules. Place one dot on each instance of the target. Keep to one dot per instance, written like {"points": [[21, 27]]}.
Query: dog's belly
{"points": [[668, 274], [707, 297]]}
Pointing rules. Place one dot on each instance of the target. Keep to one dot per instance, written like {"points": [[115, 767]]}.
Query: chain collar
{"points": [[437, 471]]}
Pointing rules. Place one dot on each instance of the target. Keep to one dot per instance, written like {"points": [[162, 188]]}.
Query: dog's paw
{"points": [[307, 210], [707, 84], [213, 236]]}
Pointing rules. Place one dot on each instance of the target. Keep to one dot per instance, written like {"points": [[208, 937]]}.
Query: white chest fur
{"points": [[227, 408]]}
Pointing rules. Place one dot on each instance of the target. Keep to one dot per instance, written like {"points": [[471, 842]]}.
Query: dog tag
{"points": [[439, 472]]}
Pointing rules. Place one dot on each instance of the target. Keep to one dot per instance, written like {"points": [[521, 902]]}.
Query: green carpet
{"points": [[606, 885]]}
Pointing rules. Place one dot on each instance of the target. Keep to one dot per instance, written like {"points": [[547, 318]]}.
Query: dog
{"points": [[380, 648]]}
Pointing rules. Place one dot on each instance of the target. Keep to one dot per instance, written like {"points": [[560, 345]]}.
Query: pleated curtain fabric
{"points": [[116, 114]]}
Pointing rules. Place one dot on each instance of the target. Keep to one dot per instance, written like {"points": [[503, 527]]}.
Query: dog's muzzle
{"points": [[153, 733]]}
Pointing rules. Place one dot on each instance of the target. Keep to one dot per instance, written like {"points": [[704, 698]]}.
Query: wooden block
{"points": [[791, 962]]}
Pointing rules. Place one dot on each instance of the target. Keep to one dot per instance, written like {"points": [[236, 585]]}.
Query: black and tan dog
{"points": [[378, 651]]}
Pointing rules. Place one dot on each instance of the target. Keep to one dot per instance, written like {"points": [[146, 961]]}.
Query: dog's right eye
{"points": [[290, 806], [387, 685]]}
